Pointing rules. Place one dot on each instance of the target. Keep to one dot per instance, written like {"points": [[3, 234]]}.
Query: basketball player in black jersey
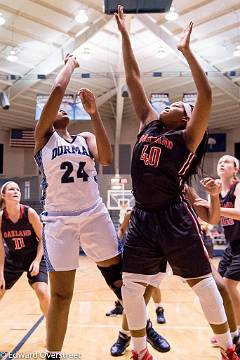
{"points": [[163, 227], [209, 212], [229, 266], [21, 245]]}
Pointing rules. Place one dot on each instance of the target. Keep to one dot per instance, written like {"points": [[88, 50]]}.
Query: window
{"points": [[26, 190]]}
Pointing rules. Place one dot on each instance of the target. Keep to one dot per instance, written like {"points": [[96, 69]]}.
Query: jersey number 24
{"points": [[81, 173]]}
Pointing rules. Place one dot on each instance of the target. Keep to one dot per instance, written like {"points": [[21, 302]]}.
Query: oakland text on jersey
{"points": [[231, 226], [19, 236], [66, 149], [224, 220], [162, 140], [17, 233]]}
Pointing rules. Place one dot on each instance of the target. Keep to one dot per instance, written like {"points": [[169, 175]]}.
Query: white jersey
{"points": [[69, 181]]}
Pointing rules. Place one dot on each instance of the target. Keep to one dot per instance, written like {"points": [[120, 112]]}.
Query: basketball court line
{"points": [[23, 340], [100, 326]]}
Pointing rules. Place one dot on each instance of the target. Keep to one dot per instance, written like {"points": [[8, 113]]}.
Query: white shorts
{"points": [[63, 235]]}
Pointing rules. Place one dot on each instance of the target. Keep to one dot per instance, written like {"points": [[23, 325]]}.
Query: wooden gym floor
{"points": [[90, 333]]}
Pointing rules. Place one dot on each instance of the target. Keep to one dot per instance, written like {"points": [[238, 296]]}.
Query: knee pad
{"points": [[112, 274], [211, 301], [134, 304]]}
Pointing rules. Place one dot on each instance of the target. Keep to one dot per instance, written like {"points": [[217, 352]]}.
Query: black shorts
{"points": [[167, 234], [14, 268], [229, 266]]}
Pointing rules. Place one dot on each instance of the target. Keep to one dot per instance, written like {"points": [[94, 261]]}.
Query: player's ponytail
{"points": [[1, 202], [2, 191], [236, 166]]}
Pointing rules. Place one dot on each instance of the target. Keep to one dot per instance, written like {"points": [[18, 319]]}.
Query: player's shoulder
{"points": [[86, 134], [30, 212]]}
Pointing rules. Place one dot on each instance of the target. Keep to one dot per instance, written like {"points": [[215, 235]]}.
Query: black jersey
{"points": [[160, 161], [231, 227], [19, 238]]}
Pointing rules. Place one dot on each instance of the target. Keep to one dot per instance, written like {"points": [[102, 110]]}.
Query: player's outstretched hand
{"points": [[88, 101], [71, 57], [120, 18], [184, 43], [213, 187]]}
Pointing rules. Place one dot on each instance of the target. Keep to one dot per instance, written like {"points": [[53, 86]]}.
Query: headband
{"points": [[188, 109], [4, 185], [235, 160]]}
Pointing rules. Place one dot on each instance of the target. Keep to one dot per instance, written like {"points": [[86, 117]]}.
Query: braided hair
{"points": [[197, 164]]}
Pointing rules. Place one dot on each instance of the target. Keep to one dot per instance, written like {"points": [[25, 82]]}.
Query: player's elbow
{"points": [[209, 94], [209, 91], [206, 95], [106, 161], [59, 89]]}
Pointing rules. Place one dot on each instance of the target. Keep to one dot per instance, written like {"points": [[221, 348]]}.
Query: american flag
{"points": [[22, 138]]}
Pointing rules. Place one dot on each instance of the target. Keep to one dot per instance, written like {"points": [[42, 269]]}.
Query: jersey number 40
{"points": [[151, 157]]}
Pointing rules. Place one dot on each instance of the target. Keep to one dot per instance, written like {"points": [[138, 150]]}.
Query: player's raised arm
{"points": [[143, 108], [44, 127], [99, 144], [198, 122]]}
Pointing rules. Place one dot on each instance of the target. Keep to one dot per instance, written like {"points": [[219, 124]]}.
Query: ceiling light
{"points": [[237, 50], [124, 91], [171, 15], [2, 20], [12, 57], [81, 17], [4, 100], [86, 53], [161, 53]]}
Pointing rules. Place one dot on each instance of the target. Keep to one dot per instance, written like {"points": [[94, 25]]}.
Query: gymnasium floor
{"points": [[90, 333]]}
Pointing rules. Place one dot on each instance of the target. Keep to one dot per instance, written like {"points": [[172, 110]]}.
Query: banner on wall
{"points": [[217, 142], [159, 101], [189, 98], [71, 104]]}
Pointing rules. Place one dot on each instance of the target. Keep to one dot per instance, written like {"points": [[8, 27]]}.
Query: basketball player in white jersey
{"points": [[74, 214]]}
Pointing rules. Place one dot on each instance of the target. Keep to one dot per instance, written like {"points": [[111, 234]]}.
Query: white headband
{"points": [[188, 109], [235, 160], [4, 186]]}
